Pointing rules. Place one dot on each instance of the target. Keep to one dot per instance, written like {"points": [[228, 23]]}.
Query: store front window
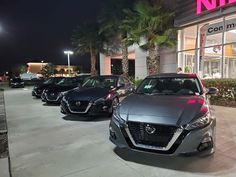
{"points": [[209, 49]]}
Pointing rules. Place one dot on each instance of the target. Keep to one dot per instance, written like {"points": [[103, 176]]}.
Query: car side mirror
{"points": [[212, 91]]}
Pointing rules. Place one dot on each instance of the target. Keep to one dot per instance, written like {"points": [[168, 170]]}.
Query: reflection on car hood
{"points": [[60, 88], [169, 110], [87, 94]]}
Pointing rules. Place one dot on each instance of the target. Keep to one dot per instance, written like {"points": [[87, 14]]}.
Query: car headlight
{"points": [[100, 100], [116, 116], [61, 94], [200, 122]]}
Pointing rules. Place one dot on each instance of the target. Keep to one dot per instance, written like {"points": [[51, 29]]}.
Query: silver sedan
{"points": [[167, 114]]}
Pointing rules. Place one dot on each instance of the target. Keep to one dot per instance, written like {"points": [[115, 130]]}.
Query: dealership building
{"points": [[206, 42]]}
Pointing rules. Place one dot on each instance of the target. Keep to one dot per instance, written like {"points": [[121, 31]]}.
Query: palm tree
{"points": [[48, 70], [154, 23], [87, 39], [116, 29]]}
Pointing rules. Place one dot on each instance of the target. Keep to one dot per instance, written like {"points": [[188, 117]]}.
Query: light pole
{"points": [[68, 53], [42, 64]]}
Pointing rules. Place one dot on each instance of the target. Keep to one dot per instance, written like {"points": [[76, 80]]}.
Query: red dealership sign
{"points": [[212, 4]]}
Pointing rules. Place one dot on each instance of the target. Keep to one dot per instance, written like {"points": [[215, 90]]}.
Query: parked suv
{"points": [[167, 114]]}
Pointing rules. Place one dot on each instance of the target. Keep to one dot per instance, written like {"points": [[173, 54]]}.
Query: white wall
{"points": [[140, 63], [168, 60]]}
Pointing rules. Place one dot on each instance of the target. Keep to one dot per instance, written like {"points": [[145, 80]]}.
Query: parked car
{"points": [[16, 82], [167, 114], [28, 76], [97, 96], [38, 89], [53, 93]]}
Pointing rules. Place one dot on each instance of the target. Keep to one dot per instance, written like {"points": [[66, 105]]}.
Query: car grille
{"points": [[159, 138], [52, 96], [74, 106]]}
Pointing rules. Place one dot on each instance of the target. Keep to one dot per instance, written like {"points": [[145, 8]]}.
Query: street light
{"points": [[68, 53]]}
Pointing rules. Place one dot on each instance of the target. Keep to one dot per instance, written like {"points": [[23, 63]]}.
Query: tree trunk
{"points": [[93, 63], [125, 60], [153, 60]]}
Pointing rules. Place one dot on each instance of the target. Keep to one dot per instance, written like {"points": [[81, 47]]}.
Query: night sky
{"points": [[32, 30]]}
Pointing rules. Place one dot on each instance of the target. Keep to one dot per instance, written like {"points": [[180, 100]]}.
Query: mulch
{"points": [[224, 103]]}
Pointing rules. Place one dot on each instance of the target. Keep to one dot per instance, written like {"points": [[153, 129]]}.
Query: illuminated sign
{"points": [[212, 4]]}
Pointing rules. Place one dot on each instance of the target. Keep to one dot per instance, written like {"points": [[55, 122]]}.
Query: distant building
{"points": [[62, 70]]}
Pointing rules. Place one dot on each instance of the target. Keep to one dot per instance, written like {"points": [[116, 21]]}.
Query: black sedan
{"points": [[97, 96], [17, 82], [38, 89], [53, 94]]}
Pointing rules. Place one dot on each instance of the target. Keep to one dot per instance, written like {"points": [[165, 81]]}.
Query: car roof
{"points": [[107, 76], [182, 75]]}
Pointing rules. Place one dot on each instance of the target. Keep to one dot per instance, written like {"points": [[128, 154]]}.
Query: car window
{"points": [[16, 80], [48, 81], [67, 81], [100, 82], [180, 86], [121, 81], [127, 81]]}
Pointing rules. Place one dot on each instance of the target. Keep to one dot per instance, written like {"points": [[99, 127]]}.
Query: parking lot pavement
{"points": [[44, 143]]}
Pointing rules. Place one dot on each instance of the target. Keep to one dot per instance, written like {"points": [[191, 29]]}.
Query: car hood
{"points": [[162, 109], [42, 86], [59, 88], [87, 94]]}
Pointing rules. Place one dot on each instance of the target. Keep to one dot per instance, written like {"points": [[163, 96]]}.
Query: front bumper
{"points": [[188, 142], [36, 93], [54, 100], [91, 110], [17, 85]]}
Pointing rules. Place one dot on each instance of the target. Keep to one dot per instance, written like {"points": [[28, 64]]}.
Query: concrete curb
{"points": [[5, 163]]}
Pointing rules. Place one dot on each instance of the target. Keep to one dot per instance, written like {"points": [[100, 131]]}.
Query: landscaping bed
{"points": [[227, 91], [3, 129]]}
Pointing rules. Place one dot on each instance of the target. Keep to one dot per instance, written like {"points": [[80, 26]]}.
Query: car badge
{"points": [[150, 130], [78, 103], [52, 94]]}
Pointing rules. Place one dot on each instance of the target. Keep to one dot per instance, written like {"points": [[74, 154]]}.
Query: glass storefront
{"points": [[209, 48]]}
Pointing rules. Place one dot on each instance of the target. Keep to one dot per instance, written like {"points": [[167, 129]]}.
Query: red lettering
{"points": [[232, 1], [212, 4], [208, 4], [222, 3]]}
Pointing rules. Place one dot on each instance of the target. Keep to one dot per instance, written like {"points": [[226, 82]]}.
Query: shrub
{"points": [[227, 89], [137, 82]]}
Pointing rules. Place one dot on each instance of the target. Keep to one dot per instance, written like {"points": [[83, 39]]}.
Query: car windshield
{"points": [[17, 80], [66, 81], [170, 86], [52, 80], [109, 82]]}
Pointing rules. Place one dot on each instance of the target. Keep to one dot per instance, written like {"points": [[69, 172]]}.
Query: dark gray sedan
{"points": [[167, 114]]}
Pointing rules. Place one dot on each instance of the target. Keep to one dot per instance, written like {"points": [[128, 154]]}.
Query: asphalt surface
{"points": [[44, 143]]}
